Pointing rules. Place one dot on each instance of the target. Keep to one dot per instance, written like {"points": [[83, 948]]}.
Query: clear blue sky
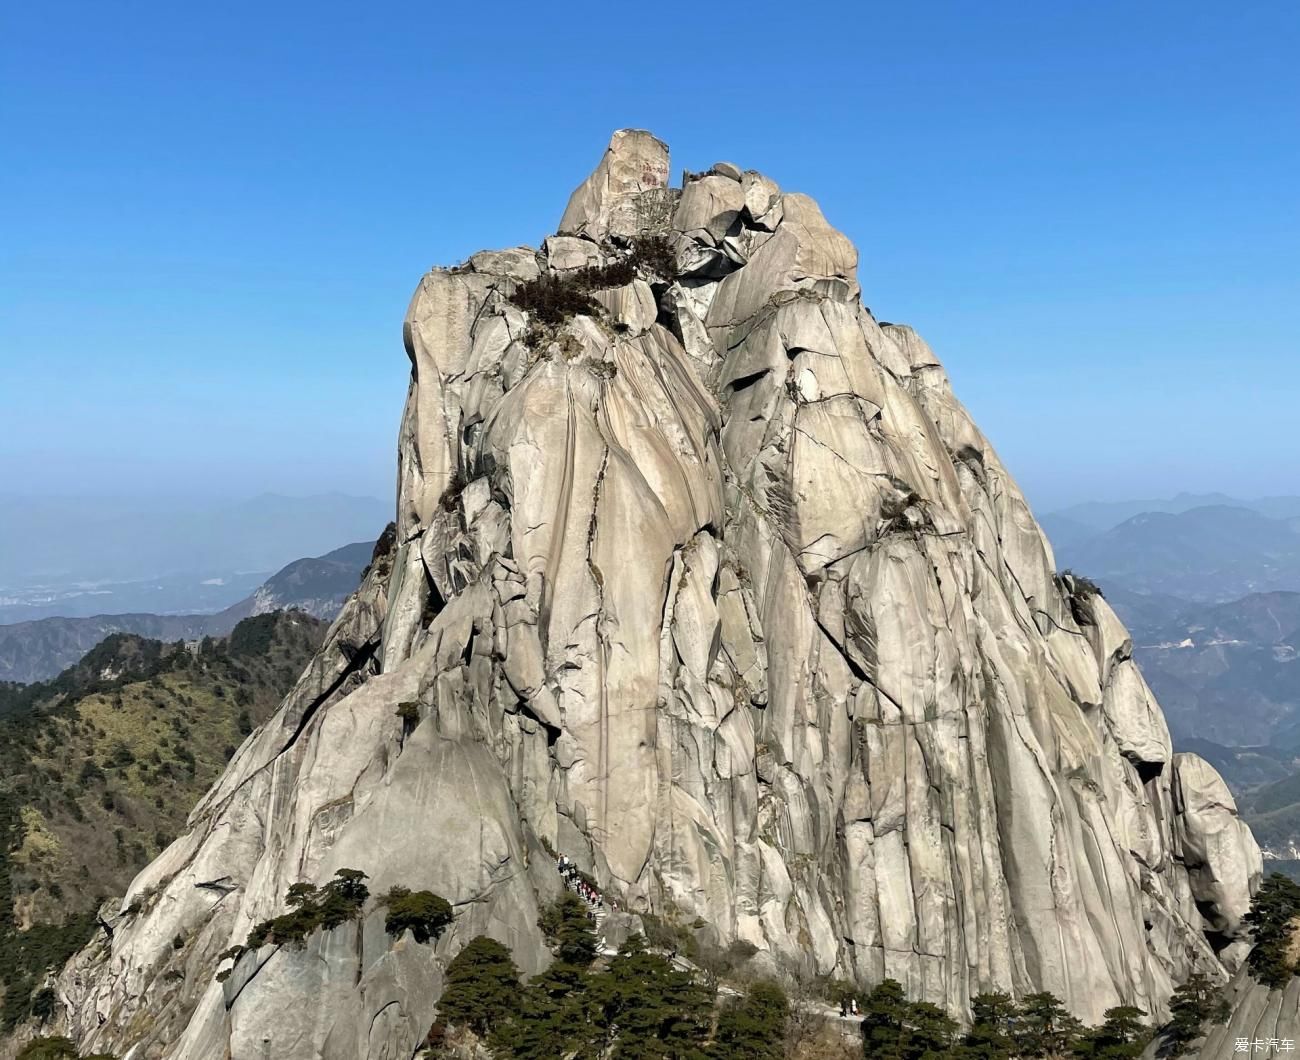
{"points": [[213, 214]]}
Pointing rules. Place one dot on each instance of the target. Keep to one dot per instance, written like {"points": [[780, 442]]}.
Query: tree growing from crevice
{"points": [[1274, 921], [425, 914], [1195, 1004], [554, 297], [1081, 592], [313, 908]]}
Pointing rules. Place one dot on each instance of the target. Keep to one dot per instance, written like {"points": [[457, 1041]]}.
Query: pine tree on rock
{"points": [[1274, 919], [425, 914], [553, 1017], [1196, 1003], [992, 1019], [647, 1009], [884, 1013], [567, 926], [930, 1032], [1047, 1028], [752, 1027], [482, 986], [894, 1028], [1122, 1037]]}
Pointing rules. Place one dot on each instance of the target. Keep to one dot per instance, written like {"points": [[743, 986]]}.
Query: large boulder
{"points": [[1220, 855], [627, 193]]}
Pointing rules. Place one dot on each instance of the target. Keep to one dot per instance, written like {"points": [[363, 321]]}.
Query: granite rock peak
{"points": [[712, 585]]}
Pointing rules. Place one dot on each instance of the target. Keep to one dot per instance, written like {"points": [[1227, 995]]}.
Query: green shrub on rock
{"points": [[425, 914], [409, 712], [552, 298], [326, 907], [58, 1048], [49, 1049]]}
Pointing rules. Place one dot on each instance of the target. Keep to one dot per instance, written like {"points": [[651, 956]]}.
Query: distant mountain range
{"points": [[1094, 517], [85, 556], [1208, 553], [37, 650]]}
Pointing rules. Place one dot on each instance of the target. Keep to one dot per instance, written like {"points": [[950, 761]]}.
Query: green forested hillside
{"points": [[100, 767], [1273, 813]]}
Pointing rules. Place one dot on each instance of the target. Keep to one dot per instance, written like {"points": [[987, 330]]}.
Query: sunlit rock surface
{"points": [[720, 591]]}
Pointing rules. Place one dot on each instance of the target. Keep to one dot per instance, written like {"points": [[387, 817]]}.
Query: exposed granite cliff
{"points": [[716, 588]]}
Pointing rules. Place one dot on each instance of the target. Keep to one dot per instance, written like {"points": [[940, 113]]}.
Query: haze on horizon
{"points": [[214, 218]]}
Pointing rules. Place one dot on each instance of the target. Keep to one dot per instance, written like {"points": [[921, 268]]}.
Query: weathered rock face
{"points": [[1268, 1021], [719, 591]]}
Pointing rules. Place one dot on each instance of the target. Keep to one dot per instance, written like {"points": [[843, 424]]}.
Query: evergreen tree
{"points": [[1046, 1027], [895, 1029], [482, 986], [349, 886], [342, 898], [1194, 1004], [336, 903], [648, 1009], [1274, 919], [992, 1019], [1122, 1037], [930, 1032], [552, 1018], [568, 927], [883, 1021], [300, 895], [425, 914], [752, 1027]]}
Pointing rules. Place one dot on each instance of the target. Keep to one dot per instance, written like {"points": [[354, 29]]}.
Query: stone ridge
{"points": [[718, 590]]}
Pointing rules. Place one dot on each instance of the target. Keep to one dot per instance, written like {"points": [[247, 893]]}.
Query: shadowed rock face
{"points": [[720, 592]]}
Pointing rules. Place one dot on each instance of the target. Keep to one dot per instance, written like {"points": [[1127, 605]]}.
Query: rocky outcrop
{"points": [[716, 588], [1264, 1023], [318, 586]]}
